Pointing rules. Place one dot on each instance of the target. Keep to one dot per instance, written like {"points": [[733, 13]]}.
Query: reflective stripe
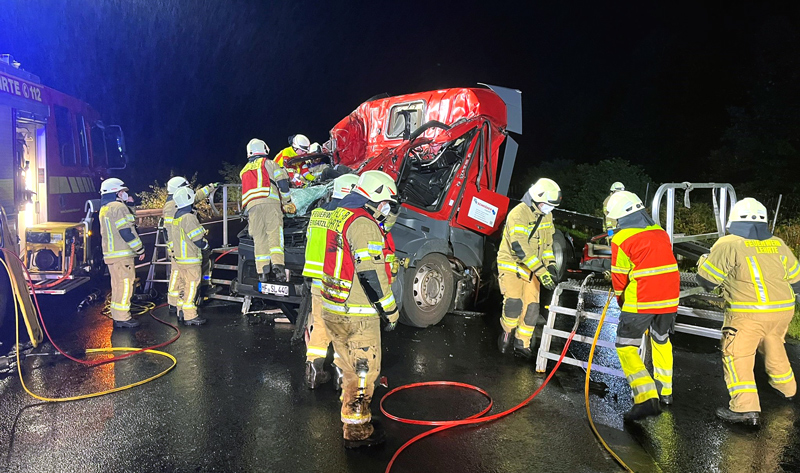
{"points": [[375, 247], [783, 378], [661, 338], [713, 270], [520, 229], [387, 301], [318, 351], [195, 232], [316, 283], [313, 272], [188, 260], [121, 222], [135, 243], [276, 250], [548, 254], [670, 268], [795, 271], [530, 262], [755, 275], [755, 307], [728, 360], [743, 387], [344, 309], [362, 254], [514, 268], [356, 419], [546, 225], [643, 386], [657, 304], [663, 372], [524, 331], [629, 341], [509, 322], [620, 270]]}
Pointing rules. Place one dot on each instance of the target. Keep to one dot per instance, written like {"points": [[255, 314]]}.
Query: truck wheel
{"points": [[562, 251], [428, 291]]}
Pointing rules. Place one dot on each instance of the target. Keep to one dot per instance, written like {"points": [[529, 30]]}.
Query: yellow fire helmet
{"points": [[623, 203], [545, 191]]}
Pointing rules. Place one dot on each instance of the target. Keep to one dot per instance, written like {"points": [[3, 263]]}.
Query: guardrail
{"points": [[721, 194]]}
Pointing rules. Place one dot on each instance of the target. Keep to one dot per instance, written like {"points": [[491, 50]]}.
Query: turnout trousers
{"points": [[743, 335], [123, 275], [265, 219], [630, 330], [357, 341], [317, 341], [172, 294], [520, 305], [188, 280]]}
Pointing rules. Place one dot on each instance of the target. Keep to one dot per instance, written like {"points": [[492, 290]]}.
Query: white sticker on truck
{"points": [[482, 211]]}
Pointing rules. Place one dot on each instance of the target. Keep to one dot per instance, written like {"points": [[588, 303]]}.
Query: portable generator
{"points": [[48, 247]]}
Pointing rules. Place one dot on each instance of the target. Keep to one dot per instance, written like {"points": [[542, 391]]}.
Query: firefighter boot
{"points": [[644, 409], [173, 311], [264, 276], [338, 379], [504, 342], [359, 435], [316, 374], [278, 273], [130, 323], [748, 418], [195, 321], [522, 351]]}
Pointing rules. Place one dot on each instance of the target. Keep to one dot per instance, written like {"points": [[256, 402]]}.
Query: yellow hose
{"points": [[586, 385], [18, 314], [136, 308]]}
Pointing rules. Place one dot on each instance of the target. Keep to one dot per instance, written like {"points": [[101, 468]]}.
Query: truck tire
{"points": [[563, 253], [428, 291]]}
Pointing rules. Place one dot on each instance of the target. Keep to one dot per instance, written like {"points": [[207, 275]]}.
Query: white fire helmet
{"points": [[343, 184], [183, 197], [623, 203], [176, 183], [112, 186], [257, 147], [377, 186], [545, 191], [617, 186], [748, 210], [301, 143]]}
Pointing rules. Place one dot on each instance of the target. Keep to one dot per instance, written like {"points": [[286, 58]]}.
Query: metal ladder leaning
{"points": [[160, 242]]}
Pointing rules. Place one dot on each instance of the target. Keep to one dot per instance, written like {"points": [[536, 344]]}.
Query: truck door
{"points": [[31, 163], [480, 207]]}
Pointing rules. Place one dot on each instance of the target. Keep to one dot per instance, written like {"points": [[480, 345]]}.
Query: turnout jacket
{"points": [[189, 238], [262, 181], [755, 275], [527, 245], [644, 272], [118, 232], [170, 208]]}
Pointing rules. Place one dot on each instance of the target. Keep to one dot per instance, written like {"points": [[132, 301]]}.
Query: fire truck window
{"points": [[397, 122], [66, 139], [82, 141], [98, 147]]}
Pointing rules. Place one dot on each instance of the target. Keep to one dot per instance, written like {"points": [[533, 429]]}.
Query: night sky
{"points": [[191, 81]]}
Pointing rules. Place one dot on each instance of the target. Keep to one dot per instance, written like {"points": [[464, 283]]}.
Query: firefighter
{"points": [[173, 185], [759, 277], [646, 282], [356, 294], [318, 340], [188, 244], [610, 223], [120, 244], [265, 198], [525, 262], [299, 175]]}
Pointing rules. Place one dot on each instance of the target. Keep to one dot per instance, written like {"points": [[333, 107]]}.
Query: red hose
{"points": [[53, 283], [95, 362], [225, 253], [471, 420]]}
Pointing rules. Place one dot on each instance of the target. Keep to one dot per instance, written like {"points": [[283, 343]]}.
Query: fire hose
{"points": [[127, 351], [478, 418]]}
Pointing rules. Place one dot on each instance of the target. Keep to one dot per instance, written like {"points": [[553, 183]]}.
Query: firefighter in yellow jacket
{"points": [[525, 261], [608, 222], [120, 244], [317, 341], [188, 244], [173, 185], [760, 278], [356, 293], [265, 197]]}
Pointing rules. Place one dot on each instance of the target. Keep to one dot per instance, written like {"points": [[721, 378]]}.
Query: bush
{"points": [[156, 197], [794, 326]]}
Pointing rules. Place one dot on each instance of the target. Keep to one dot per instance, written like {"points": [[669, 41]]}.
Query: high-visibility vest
{"points": [[316, 239], [644, 272], [256, 181], [338, 267], [286, 153]]}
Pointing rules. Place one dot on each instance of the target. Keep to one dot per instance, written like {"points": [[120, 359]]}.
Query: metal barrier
{"points": [[720, 194], [225, 207]]}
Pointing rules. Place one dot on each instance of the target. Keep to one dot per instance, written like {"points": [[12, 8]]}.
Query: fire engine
{"points": [[54, 151]]}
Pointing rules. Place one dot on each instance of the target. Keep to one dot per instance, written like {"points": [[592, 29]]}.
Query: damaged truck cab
{"points": [[443, 149]]}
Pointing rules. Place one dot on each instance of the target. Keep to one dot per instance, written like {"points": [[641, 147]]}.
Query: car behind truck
{"points": [[443, 148]]}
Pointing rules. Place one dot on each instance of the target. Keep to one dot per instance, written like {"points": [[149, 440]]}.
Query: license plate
{"points": [[275, 289]]}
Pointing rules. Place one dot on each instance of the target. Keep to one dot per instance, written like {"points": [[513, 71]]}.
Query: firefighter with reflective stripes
{"points": [[646, 281], [759, 277], [188, 244], [120, 244], [356, 294], [525, 262], [265, 197], [317, 339], [173, 185], [299, 174]]}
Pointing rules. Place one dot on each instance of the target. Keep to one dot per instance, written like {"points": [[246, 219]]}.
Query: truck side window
{"points": [[397, 122], [66, 139], [82, 141], [98, 147]]}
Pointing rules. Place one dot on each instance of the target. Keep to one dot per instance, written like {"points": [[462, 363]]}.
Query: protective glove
{"points": [[547, 281], [391, 319], [290, 208], [607, 275], [553, 272]]}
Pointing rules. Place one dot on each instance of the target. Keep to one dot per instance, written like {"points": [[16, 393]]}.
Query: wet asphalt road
{"points": [[237, 402]]}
